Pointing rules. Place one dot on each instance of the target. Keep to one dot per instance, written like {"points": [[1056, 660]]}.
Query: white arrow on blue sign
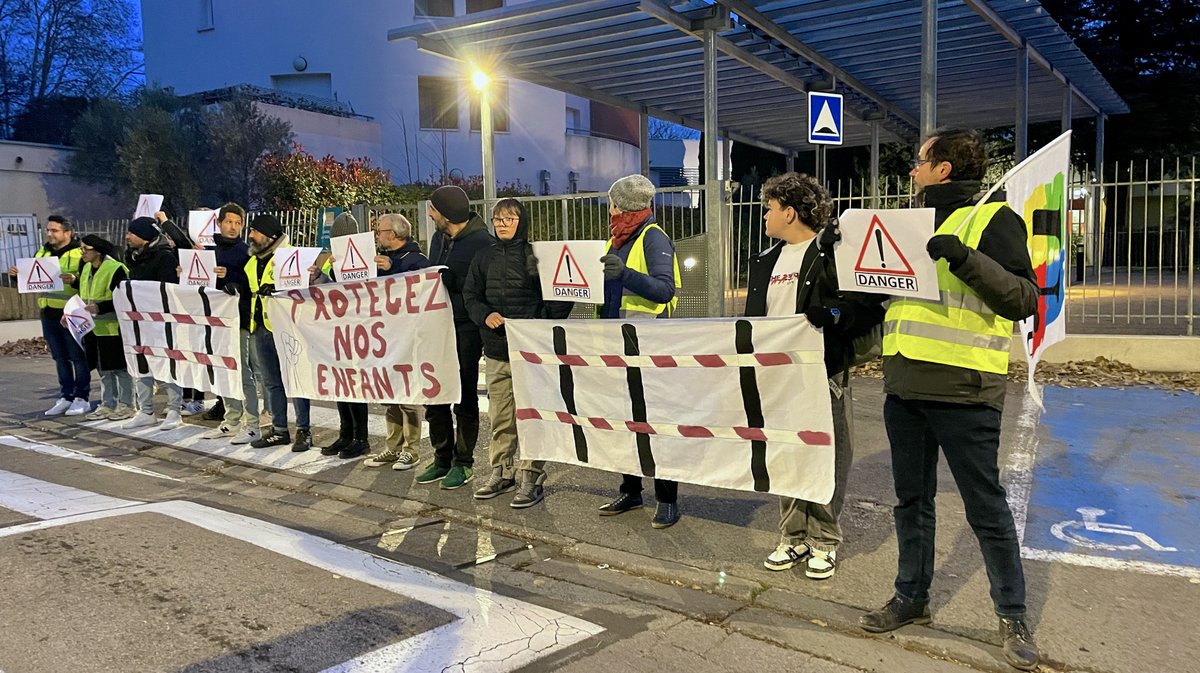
{"points": [[825, 118]]}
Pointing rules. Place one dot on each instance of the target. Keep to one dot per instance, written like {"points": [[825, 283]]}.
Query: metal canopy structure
{"points": [[648, 55]]}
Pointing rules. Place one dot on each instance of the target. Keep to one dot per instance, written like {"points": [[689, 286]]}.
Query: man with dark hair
{"points": [[74, 377], [461, 234], [239, 418], [152, 258], [795, 276], [944, 369]]}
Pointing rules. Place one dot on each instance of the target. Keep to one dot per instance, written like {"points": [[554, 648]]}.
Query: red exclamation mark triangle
{"points": [[291, 266], [197, 272], [568, 274], [210, 227], [354, 260], [42, 275]]}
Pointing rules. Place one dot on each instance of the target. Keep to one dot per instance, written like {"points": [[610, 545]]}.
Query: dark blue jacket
{"points": [[233, 253], [407, 257], [658, 286]]}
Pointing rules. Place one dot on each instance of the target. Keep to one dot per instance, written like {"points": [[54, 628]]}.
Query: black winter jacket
{"points": [[233, 253], [998, 270], [499, 282], [456, 254], [818, 277], [156, 261], [407, 257]]}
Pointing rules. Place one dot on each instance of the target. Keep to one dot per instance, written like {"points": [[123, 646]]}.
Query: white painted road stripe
{"points": [[60, 452], [492, 633], [44, 500]]}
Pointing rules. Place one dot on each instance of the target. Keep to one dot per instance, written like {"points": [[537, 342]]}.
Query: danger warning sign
{"points": [[39, 274], [883, 252], [566, 267], [354, 257], [199, 268], [291, 267], [202, 226]]}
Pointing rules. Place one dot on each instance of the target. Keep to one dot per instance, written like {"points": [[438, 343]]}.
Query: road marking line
{"points": [[1017, 471], [46, 500], [60, 452], [493, 633], [1109, 563]]}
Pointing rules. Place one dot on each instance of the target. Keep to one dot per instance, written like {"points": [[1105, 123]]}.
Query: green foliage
{"points": [[298, 180]]}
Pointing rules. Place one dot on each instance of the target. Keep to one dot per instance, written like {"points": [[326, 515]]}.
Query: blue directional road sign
{"points": [[825, 118]]}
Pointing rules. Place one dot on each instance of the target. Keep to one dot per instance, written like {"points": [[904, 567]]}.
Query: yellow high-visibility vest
{"points": [[95, 286], [268, 278], [69, 263], [637, 262]]}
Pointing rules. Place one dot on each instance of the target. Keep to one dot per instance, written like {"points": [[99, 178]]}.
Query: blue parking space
{"points": [[1118, 475]]}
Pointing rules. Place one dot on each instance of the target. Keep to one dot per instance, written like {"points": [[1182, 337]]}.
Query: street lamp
{"points": [[480, 80]]}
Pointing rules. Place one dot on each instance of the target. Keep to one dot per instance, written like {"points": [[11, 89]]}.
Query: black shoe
{"points": [[354, 449], [272, 438], [896, 613], [1019, 649], [622, 504], [216, 412], [336, 447], [665, 515], [303, 441]]}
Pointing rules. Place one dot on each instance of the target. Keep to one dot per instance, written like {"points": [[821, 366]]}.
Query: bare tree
{"points": [[660, 129]]}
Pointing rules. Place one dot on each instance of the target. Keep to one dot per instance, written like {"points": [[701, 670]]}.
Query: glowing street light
{"points": [[480, 80]]}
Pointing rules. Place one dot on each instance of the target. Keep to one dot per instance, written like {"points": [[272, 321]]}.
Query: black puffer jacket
{"points": [[499, 282], [156, 261], [456, 255]]}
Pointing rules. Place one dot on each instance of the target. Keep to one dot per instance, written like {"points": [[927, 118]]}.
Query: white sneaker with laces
{"points": [[60, 407], [786, 556], [246, 436], [192, 408], [79, 408], [821, 565], [140, 420], [219, 432], [172, 421]]}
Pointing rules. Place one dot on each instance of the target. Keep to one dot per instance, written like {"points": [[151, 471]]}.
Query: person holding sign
{"points": [[641, 277], [151, 258], [96, 282], [944, 365], [503, 285], [797, 276], [399, 252], [74, 377], [461, 234]]}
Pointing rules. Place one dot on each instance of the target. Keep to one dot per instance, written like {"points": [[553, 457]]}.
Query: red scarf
{"points": [[622, 225]]}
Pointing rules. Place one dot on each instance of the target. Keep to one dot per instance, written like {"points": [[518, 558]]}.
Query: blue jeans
{"points": [[245, 411], [74, 375], [272, 377], [969, 436]]}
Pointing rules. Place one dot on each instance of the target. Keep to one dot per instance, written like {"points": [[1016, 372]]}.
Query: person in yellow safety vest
{"points": [[641, 282], [944, 365], [266, 236], [74, 377], [99, 277]]}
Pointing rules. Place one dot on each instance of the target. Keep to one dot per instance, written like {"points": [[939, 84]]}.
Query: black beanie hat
{"points": [[100, 245], [267, 225], [452, 203], [145, 228]]}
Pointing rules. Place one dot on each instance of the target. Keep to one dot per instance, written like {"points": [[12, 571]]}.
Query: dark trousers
{"points": [[970, 438], [74, 375], [666, 492], [450, 449], [353, 417]]}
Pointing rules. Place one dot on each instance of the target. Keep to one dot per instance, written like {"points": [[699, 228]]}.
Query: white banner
{"points": [[353, 257], [883, 251], [198, 268], [388, 340], [571, 270], [39, 274], [291, 267], [147, 205], [183, 335], [668, 398], [202, 226], [79, 321]]}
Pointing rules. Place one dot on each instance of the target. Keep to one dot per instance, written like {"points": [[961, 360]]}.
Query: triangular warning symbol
{"points": [[291, 266], [143, 208], [210, 227], [198, 272], [825, 121], [78, 324], [37, 274], [354, 260], [568, 274], [882, 248]]}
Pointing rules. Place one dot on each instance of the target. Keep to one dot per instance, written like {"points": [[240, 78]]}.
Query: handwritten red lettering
{"points": [[318, 297], [435, 386], [433, 304], [404, 370]]}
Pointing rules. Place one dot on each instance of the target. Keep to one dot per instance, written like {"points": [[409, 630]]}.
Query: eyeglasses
{"points": [[505, 220], [380, 231], [916, 163]]}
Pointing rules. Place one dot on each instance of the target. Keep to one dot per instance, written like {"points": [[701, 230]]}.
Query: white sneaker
{"points": [[79, 408], [60, 407], [246, 436], [219, 432], [192, 408], [102, 413], [122, 412], [821, 565], [172, 421], [140, 420], [786, 556]]}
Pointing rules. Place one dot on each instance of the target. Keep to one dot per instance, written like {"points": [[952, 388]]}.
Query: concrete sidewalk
{"points": [[1129, 613]]}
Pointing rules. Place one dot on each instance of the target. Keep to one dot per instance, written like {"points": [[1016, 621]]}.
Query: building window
{"points": [[206, 16], [499, 91], [438, 101], [433, 7], [574, 119], [483, 5]]}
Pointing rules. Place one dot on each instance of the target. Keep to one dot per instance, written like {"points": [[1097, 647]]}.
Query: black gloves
{"points": [[829, 235], [531, 263], [614, 267], [230, 289], [266, 289], [823, 316], [947, 247]]}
